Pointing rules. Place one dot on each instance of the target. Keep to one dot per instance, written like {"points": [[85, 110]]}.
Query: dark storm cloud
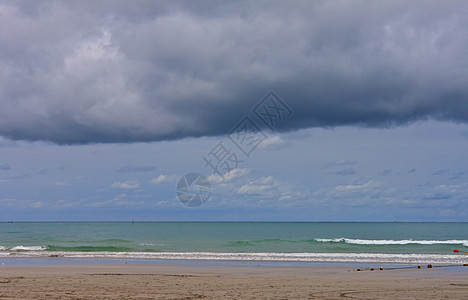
{"points": [[120, 71]]}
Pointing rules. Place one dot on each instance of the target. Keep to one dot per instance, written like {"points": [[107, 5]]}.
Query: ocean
{"points": [[239, 241]]}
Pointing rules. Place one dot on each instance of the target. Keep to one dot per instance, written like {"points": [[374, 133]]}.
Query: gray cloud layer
{"points": [[120, 71]]}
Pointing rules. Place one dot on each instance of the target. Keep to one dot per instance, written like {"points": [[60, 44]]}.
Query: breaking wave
{"points": [[393, 242]]}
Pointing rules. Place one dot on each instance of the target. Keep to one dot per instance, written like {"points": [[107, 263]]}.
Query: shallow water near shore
{"points": [[48, 261], [406, 243]]}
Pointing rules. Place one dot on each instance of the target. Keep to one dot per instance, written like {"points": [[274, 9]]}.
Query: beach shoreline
{"points": [[268, 257], [217, 281], [51, 260]]}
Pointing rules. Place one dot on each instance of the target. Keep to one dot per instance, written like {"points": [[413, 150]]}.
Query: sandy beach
{"points": [[163, 281]]}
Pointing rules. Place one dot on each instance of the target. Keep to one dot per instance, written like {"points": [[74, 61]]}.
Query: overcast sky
{"points": [[105, 105]]}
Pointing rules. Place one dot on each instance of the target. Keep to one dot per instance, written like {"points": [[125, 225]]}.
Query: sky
{"points": [[321, 110]]}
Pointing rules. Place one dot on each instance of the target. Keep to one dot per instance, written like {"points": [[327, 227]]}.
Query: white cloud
{"points": [[18, 203], [259, 186], [444, 191], [119, 200], [133, 184], [37, 204], [164, 179], [9, 202], [266, 191], [274, 142], [351, 188], [234, 174]]}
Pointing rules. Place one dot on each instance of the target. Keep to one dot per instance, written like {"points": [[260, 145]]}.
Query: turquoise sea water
{"points": [[398, 242]]}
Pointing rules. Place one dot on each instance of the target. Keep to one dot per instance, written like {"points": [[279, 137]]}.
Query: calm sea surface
{"points": [[390, 242]]}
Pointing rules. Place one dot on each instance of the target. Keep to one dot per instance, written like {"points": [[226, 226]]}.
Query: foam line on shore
{"points": [[299, 257]]}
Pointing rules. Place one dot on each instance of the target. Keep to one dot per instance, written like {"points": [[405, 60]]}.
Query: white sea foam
{"points": [[291, 257], [394, 242], [28, 248], [144, 244]]}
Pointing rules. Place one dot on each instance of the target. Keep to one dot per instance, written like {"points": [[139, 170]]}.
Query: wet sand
{"points": [[163, 281]]}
